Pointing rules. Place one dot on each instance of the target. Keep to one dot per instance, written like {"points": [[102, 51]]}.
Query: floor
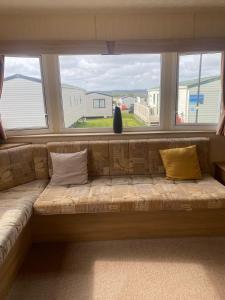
{"points": [[181, 268]]}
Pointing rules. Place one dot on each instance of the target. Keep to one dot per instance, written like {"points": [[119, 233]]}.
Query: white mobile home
{"points": [[27, 96], [189, 111], [208, 107], [22, 103], [98, 105]]}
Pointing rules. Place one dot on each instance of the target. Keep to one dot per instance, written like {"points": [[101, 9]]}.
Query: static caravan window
{"points": [[198, 89], [126, 80], [99, 103], [22, 104]]}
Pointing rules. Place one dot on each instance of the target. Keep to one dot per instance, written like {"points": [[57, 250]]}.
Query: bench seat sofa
{"points": [[127, 196]]}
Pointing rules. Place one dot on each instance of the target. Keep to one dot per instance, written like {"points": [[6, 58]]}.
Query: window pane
{"points": [[199, 88], [22, 102], [104, 81]]}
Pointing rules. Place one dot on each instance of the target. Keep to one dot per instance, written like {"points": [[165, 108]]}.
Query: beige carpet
{"points": [[191, 268]]}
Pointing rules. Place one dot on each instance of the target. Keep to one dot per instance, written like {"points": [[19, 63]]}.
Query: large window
{"points": [[199, 89], [22, 102], [79, 93], [131, 82]]}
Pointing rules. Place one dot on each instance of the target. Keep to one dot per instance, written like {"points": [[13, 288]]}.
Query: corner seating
{"points": [[127, 196]]}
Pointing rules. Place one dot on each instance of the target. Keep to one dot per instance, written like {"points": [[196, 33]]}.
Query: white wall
{"points": [[22, 104], [74, 102], [209, 111], [98, 112], [182, 106], [153, 101]]}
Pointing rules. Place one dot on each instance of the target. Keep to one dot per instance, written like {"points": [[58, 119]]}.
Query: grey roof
{"points": [[104, 94], [22, 77], [193, 82], [39, 80]]}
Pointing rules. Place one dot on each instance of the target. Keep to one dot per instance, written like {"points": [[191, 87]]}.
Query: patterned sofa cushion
{"points": [[129, 157], [131, 193], [15, 210], [22, 164]]}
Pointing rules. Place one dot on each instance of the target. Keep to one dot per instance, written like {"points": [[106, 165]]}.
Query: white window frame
{"points": [[30, 131], [167, 96], [186, 126], [110, 130], [99, 101]]}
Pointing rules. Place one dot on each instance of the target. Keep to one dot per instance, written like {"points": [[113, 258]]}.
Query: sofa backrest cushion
{"points": [[40, 158], [22, 164], [134, 157]]}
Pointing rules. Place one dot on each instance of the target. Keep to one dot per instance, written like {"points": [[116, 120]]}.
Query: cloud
{"points": [[110, 72], [189, 65], [29, 66]]}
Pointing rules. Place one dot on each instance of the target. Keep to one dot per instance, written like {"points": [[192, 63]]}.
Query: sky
{"points": [[113, 72]]}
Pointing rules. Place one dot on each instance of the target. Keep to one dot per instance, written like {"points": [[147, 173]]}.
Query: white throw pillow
{"points": [[69, 168]]}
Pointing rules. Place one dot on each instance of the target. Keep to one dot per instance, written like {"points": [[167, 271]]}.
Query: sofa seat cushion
{"points": [[131, 193], [15, 210]]}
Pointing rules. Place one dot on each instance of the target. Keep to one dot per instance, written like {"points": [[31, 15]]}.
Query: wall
{"points": [[86, 27], [73, 104], [22, 104], [123, 26], [209, 111]]}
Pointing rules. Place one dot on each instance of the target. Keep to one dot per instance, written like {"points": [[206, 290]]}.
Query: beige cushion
{"points": [[69, 168], [131, 193], [16, 206]]}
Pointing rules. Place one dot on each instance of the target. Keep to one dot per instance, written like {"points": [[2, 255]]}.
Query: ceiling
{"points": [[19, 6]]}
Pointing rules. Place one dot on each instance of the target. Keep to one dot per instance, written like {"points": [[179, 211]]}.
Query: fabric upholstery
{"points": [[181, 163], [131, 193], [69, 168], [23, 164], [40, 158], [16, 206], [130, 157]]}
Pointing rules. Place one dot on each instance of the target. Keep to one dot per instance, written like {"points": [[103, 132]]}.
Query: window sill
{"points": [[43, 138]]}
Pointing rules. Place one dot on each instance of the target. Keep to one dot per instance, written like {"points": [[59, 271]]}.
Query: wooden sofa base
{"points": [[108, 226], [14, 260]]}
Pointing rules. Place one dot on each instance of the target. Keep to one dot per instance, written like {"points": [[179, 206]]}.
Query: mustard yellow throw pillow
{"points": [[181, 163]]}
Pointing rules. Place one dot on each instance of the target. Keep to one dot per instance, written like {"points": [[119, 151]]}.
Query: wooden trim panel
{"points": [[14, 260], [108, 226]]}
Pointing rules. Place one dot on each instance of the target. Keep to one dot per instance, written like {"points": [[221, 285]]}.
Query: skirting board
{"points": [[14, 260], [108, 226]]}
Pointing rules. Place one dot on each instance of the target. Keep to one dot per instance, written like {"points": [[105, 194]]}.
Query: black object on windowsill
{"points": [[117, 121]]}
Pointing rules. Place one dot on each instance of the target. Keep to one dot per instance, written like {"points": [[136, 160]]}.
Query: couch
{"points": [[127, 194]]}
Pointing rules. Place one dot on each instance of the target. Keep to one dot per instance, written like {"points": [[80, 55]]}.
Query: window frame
{"points": [[110, 130], [99, 101], [51, 82], [188, 126], [33, 130]]}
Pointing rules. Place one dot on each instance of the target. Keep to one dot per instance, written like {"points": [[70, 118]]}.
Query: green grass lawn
{"points": [[129, 120]]}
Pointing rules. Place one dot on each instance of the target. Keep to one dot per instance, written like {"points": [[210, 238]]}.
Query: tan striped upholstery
{"points": [[131, 193], [16, 206], [134, 157]]}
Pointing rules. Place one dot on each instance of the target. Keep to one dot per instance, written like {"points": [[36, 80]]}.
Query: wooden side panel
{"points": [[108, 226], [14, 260]]}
